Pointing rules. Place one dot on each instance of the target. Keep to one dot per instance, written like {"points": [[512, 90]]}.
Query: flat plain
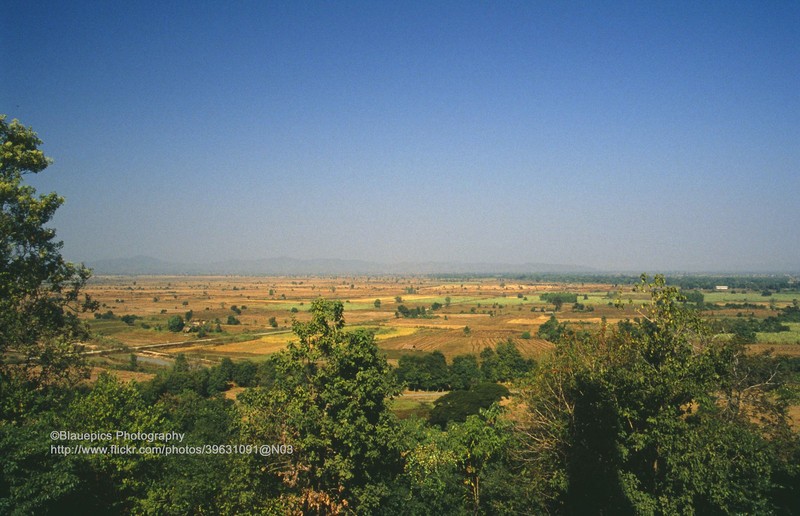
{"points": [[251, 317]]}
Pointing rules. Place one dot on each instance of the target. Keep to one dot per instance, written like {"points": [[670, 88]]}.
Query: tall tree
{"points": [[331, 408], [40, 292]]}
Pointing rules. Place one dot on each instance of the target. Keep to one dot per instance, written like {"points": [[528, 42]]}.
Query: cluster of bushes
{"points": [[552, 330], [736, 306], [430, 371], [694, 297], [411, 313], [458, 405], [744, 330], [559, 298], [108, 315], [790, 313], [207, 381]]}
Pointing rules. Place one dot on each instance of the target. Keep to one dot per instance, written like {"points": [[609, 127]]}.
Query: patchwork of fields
{"points": [[251, 317]]}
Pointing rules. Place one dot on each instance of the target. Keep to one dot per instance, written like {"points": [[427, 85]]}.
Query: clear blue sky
{"points": [[626, 136]]}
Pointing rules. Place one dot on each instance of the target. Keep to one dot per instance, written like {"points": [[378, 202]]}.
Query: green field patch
{"points": [[418, 403], [510, 300], [749, 297], [358, 306], [784, 337], [427, 301], [595, 299], [288, 305]]}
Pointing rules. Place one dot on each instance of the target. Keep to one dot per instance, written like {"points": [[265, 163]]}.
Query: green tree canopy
{"points": [[40, 293], [331, 407], [654, 417]]}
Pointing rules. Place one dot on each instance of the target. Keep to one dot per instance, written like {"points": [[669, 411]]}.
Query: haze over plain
{"points": [[619, 136]]}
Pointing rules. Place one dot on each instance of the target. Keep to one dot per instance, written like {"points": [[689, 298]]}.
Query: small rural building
{"points": [[721, 287]]}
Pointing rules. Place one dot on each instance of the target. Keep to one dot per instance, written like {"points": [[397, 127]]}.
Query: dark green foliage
{"points": [[41, 295], [412, 313], [565, 297], [129, 319], [426, 371], [436, 368], [655, 417], [695, 297], [192, 484], [559, 298], [244, 373], [552, 330], [790, 313], [175, 323], [488, 363], [744, 330], [330, 405], [504, 363], [510, 363], [457, 405], [232, 320], [266, 373], [273, 322], [464, 372], [465, 470], [181, 377], [772, 325]]}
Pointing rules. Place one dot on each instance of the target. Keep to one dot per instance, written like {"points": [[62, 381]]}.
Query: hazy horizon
{"points": [[616, 136], [137, 265]]}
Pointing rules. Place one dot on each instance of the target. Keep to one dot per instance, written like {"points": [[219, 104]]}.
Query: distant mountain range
{"points": [[141, 265]]}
